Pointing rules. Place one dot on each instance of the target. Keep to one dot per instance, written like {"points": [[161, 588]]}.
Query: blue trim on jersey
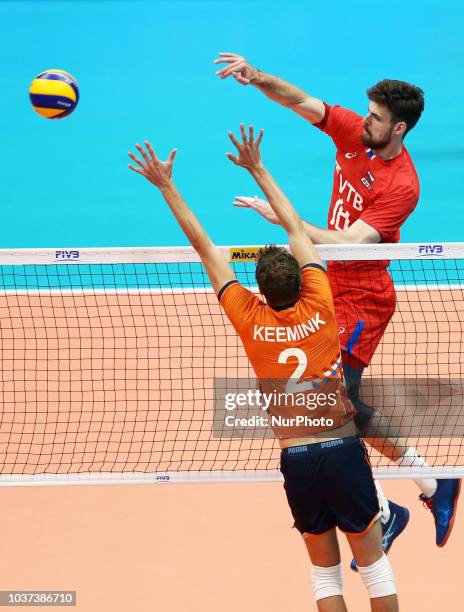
{"points": [[221, 291], [279, 308], [314, 265], [353, 339]]}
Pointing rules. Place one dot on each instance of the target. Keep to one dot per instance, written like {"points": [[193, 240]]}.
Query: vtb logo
{"points": [[430, 249], [67, 254]]}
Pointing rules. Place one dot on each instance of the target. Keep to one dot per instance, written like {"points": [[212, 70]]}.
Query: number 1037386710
{"points": [[37, 598]]}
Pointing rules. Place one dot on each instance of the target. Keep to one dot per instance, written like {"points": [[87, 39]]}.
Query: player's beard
{"points": [[378, 143]]}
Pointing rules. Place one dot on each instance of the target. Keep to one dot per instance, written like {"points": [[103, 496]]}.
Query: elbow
{"points": [[297, 101], [203, 248], [349, 238]]}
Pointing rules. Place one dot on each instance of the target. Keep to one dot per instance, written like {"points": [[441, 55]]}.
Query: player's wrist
{"points": [[256, 77], [166, 185], [257, 170], [167, 188]]}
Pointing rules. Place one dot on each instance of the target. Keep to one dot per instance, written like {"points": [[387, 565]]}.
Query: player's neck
{"points": [[392, 150]]}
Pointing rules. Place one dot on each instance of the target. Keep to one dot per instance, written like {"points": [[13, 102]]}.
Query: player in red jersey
{"points": [[375, 190], [293, 338]]}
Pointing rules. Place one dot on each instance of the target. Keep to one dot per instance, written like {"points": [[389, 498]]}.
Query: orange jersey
{"points": [[297, 345]]}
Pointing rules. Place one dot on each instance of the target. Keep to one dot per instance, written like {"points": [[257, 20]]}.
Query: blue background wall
{"points": [[145, 72]]}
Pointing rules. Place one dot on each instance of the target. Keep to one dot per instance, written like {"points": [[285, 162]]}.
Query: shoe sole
{"points": [[451, 523]]}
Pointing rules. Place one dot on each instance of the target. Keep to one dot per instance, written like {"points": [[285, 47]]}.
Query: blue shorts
{"points": [[330, 484]]}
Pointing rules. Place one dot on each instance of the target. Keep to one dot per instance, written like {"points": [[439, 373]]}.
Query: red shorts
{"points": [[365, 300]]}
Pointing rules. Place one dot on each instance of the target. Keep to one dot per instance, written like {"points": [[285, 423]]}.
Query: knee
{"points": [[378, 578], [327, 581]]}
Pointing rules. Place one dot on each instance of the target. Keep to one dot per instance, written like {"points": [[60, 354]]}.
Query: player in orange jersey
{"points": [[293, 337]]}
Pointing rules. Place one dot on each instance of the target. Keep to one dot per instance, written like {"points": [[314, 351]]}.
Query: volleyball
{"points": [[54, 94]]}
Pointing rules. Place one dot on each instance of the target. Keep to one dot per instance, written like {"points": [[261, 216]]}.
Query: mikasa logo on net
{"points": [[241, 253]]}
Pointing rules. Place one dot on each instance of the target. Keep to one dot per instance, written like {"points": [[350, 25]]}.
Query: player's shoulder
{"points": [[400, 179], [407, 168], [313, 267], [315, 284], [234, 291], [343, 124], [341, 112]]}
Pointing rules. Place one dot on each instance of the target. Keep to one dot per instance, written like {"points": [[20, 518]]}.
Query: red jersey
{"points": [[299, 343], [381, 193]]}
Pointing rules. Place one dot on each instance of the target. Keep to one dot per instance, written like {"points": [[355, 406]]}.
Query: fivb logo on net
{"points": [[67, 255], [431, 249]]}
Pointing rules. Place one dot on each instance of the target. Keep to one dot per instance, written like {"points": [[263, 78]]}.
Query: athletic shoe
{"points": [[396, 524], [442, 505]]}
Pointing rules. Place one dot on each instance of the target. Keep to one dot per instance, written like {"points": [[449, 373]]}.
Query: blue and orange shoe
{"points": [[442, 505], [396, 524]]}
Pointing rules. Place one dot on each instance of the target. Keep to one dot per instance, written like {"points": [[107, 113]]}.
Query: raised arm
{"points": [[358, 233], [160, 174], [249, 157], [310, 108]]}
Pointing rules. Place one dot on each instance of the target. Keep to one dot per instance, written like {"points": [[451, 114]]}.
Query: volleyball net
{"points": [[111, 361]]}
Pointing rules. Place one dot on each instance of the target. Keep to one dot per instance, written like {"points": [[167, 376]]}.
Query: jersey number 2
{"points": [[293, 386]]}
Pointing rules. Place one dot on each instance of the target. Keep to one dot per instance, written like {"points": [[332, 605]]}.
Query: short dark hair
{"points": [[403, 100], [278, 275]]}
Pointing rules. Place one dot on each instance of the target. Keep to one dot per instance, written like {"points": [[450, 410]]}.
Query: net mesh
{"points": [[108, 367]]}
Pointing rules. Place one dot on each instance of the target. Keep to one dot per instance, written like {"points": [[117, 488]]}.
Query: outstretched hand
{"points": [[238, 67], [249, 155], [262, 207], [153, 169]]}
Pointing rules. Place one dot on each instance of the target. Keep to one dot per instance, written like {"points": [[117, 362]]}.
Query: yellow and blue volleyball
{"points": [[54, 94]]}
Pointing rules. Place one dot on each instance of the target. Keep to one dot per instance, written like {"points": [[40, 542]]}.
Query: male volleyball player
{"points": [[328, 480], [375, 190]]}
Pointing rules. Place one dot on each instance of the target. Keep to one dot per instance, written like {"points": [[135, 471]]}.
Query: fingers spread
{"points": [[135, 169], [233, 158], [234, 140], [260, 137], [150, 149], [137, 160], [142, 152], [243, 133], [251, 135], [172, 155]]}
